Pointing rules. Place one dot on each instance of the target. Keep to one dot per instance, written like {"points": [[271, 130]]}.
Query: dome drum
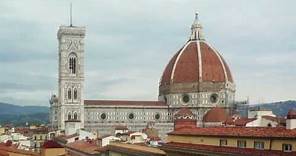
{"points": [[199, 99], [194, 87]]}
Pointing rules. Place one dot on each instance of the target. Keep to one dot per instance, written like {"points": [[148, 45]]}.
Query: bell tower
{"points": [[71, 76]]}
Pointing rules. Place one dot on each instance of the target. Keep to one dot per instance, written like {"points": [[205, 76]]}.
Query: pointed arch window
{"points": [[75, 116], [72, 63], [69, 116], [75, 94], [69, 93]]}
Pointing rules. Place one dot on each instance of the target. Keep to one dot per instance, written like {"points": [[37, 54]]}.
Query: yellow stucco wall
{"points": [[277, 144], [231, 141]]}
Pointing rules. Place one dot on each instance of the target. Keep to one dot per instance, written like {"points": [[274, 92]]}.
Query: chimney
{"points": [[291, 119]]}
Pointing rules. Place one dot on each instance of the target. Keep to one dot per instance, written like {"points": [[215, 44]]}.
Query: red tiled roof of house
{"points": [[135, 149], [255, 132], [85, 147], [229, 121], [13, 149], [3, 153], [243, 121], [206, 149], [51, 144], [40, 130], [23, 130], [124, 103], [216, 114]]}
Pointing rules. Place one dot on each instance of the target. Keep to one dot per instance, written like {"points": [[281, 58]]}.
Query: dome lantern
{"points": [[196, 29]]}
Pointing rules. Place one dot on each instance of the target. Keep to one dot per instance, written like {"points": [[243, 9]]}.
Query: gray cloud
{"points": [[129, 43]]}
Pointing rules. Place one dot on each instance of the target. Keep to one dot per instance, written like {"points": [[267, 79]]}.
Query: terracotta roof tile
{"points": [[187, 65], [85, 147], [229, 75], [211, 65], [166, 76], [3, 153], [257, 132], [186, 68], [51, 144], [243, 121], [13, 149], [184, 111], [135, 148], [216, 114]]}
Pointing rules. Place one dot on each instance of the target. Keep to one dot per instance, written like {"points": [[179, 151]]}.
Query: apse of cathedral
{"points": [[196, 77]]}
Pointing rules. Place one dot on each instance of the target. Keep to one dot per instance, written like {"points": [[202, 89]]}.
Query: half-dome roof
{"points": [[196, 61], [184, 114], [216, 114], [184, 111]]}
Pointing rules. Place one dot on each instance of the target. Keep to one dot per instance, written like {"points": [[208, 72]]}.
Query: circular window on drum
{"points": [[157, 116], [185, 98], [214, 98], [103, 116], [131, 116]]}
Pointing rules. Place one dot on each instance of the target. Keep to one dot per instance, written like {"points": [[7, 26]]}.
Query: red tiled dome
{"points": [[216, 114], [196, 61], [291, 114]]}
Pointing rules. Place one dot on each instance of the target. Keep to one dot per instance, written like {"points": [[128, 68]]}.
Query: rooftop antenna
{"points": [[71, 15]]}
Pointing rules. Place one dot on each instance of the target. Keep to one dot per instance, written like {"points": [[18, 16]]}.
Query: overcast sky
{"points": [[128, 44]]}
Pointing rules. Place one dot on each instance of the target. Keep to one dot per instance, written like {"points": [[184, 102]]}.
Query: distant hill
{"points": [[278, 108], [19, 115], [6, 108]]}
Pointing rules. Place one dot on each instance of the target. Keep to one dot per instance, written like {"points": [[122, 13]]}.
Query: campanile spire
{"points": [[196, 29], [71, 15]]}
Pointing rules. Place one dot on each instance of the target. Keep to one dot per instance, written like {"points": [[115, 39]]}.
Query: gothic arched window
{"points": [[72, 63], [69, 116], [75, 116], [69, 93], [75, 94]]}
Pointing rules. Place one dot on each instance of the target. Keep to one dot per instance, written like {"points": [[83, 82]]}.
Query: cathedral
{"points": [[197, 78]]}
